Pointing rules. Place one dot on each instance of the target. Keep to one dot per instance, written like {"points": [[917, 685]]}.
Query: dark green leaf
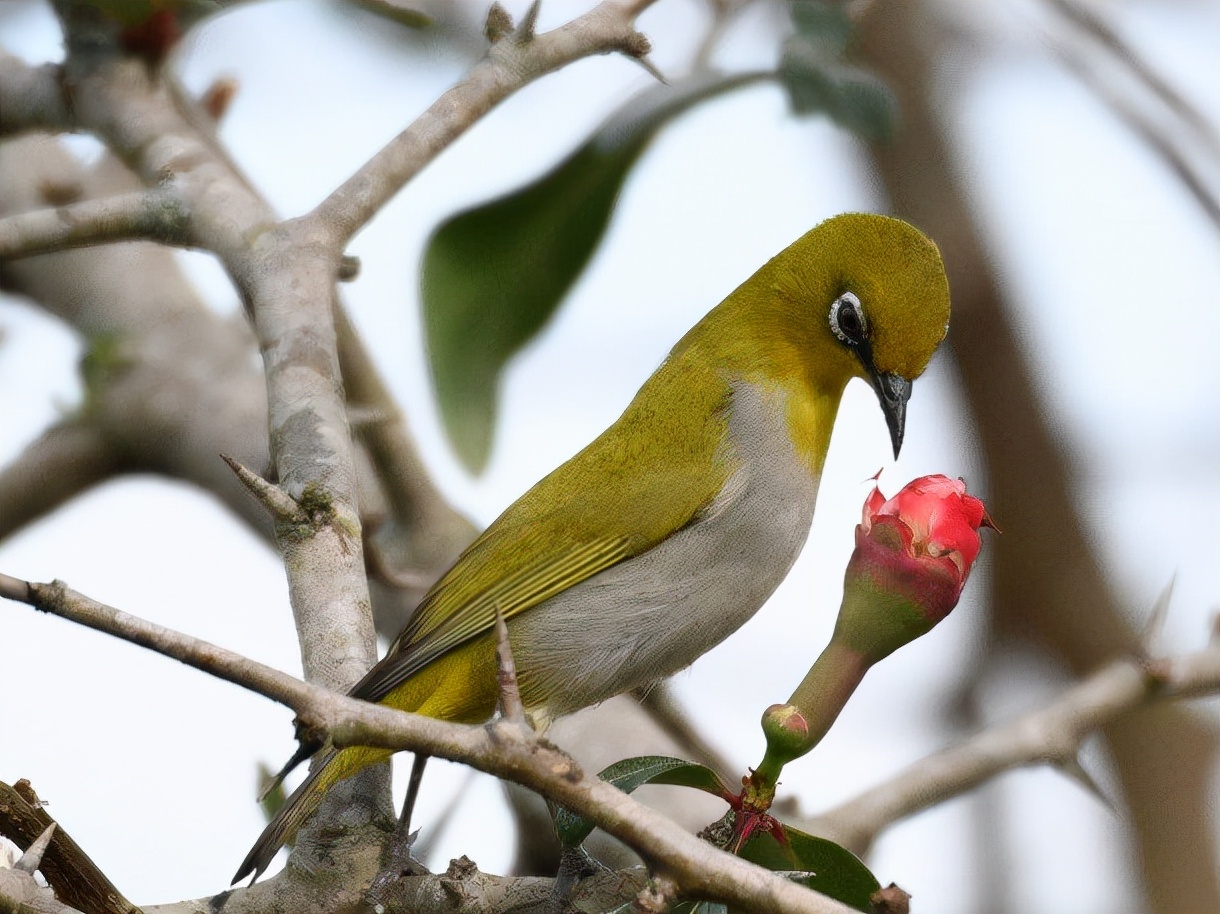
{"points": [[823, 23], [833, 870], [492, 276], [854, 98], [631, 773]]}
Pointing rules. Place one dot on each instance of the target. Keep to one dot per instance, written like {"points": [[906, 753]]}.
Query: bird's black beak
{"points": [[893, 391]]}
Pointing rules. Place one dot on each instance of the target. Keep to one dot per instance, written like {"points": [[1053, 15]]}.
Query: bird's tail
{"points": [[330, 766]]}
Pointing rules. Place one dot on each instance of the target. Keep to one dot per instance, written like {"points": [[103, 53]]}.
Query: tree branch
{"points": [[31, 98], [512, 62], [73, 875], [148, 214], [65, 461], [1051, 734], [285, 274], [504, 749]]}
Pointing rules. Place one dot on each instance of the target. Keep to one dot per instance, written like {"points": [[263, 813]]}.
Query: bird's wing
{"points": [[612, 501]]}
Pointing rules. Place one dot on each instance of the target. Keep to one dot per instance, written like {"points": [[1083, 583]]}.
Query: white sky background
{"points": [[150, 765]]}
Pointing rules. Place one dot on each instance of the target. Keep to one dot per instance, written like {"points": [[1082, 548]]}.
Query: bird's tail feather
{"points": [[300, 805]]}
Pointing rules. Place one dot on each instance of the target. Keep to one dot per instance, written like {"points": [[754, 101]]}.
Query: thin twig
{"points": [[151, 215], [1092, 24], [60, 600], [510, 64]]}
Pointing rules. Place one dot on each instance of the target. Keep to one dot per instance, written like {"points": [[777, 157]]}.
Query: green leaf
{"points": [[853, 98], [823, 23], [494, 275], [631, 773], [824, 865]]}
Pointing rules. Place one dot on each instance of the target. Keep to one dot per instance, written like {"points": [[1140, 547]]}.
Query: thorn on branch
{"points": [[1073, 768], [528, 28], [71, 874], [219, 96], [511, 708], [637, 46], [349, 268], [280, 504], [1150, 637], [499, 23], [31, 860]]}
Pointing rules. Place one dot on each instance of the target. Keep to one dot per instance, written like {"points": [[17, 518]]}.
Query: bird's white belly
{"points": [[654, 614]]}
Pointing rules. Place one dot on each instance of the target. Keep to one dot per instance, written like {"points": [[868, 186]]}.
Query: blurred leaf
{"points": [[492, 276], [828, 868], [631, 773], [273, 800], [853, 98], [817, 77], [823, 23]]}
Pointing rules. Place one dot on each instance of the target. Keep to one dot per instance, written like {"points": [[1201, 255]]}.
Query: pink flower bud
{"points": [[913, 555]]}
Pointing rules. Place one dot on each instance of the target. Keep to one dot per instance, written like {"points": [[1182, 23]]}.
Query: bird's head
{"points": [[882, 304]]}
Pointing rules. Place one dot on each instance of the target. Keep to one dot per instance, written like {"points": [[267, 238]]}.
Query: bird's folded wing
{"points": [[507, 571], [616, 499]]}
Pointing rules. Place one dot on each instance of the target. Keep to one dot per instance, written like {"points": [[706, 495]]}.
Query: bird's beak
{"points": [[893, 390]]}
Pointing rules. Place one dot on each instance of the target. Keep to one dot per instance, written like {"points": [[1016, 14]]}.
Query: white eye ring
{"points": [[848, 300]]}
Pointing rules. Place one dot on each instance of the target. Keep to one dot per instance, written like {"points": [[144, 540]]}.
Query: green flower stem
{"points": [[819, 698], [826, 687]]}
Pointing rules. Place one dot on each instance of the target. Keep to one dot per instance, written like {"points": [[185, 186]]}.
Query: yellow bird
{"points": [[662, 537]]}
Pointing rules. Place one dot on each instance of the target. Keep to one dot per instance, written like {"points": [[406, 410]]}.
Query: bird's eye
{"points": [[847, 319]]}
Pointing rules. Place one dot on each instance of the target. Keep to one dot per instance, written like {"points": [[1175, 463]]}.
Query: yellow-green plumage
{"points": [[670, 529]]}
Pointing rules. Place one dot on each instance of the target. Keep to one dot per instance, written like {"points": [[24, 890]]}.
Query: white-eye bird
{"points": [[670, 530]]}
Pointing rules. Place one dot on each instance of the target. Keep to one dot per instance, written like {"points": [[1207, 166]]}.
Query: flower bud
{"points": [[913, 555], [786, 732]]}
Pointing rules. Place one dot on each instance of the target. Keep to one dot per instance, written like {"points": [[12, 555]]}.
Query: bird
{"points": [[671, 529]]}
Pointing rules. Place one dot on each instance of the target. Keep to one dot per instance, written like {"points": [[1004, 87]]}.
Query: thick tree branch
{"points": [[150, 214], [284, 274], [504, 749], [512, 62], [68, 459], [73, 875]]}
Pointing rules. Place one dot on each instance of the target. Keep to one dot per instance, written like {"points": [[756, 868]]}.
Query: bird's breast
{"points": [[654, 614]]}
